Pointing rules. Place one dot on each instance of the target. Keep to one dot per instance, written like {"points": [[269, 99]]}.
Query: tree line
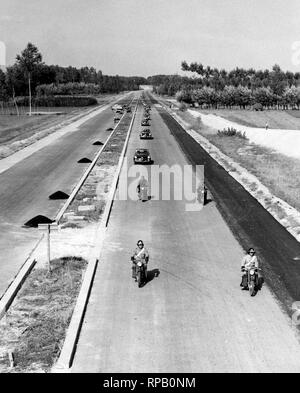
{"points": [[239, 87], [30, 74]]}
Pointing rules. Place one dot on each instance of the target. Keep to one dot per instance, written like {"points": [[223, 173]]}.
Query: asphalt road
{"points": [[192, 316], [26, 188]]}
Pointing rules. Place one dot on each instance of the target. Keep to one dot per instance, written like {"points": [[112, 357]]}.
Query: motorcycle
{"points": [[251, 277], [142, 191], [141, 273]]}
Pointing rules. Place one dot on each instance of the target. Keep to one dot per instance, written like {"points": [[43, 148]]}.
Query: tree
{"points": [[28, 60], [243, 96], [264, 96], [290, 97], [3, 87]]}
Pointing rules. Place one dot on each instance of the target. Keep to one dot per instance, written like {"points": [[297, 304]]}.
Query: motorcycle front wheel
{"points": [[252, 288], [139, 279]]}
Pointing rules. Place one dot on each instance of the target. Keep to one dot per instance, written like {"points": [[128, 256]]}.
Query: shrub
{"points": [[230, 131], [58, 101], [258, 107], [182, 106], [67, 89]]}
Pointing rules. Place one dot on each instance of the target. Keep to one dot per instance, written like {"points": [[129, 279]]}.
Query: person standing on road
{"points": [[139, 254], [250, 260], [267, 126]]}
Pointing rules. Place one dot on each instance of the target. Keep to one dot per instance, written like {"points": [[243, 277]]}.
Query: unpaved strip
{"points": [[284, 141]]}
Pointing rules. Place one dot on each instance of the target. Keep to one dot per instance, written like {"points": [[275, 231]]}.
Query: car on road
{"points": [[145, 123], [116, 119], [116, 107], [146, 134], [142, 156], [109, 129]]}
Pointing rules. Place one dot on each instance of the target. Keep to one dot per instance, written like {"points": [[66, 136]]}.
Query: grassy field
{"points": [[281, 174], [289, 120], [14, 128], [35, 326]]}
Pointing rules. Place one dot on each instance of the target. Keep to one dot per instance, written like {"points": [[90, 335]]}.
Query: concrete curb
{"points": [[13, 289], [66, 357], [11, 292]]}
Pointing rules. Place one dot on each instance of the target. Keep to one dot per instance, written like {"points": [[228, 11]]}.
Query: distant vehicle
{"points": [[145, 123], [116, 107], [116, 119], [109, 129], [146, 134], [128, 110], [120, 111], [142, 156]]}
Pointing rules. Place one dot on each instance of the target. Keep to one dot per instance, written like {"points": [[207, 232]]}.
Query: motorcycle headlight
{"points": [[139, 264], [252, 271]]}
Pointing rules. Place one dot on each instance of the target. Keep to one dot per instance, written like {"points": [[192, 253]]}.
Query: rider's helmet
{"points": [[251, 251], [140, 243]]}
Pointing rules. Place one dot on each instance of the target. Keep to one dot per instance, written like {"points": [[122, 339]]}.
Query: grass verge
{"points": [[35, 326]]}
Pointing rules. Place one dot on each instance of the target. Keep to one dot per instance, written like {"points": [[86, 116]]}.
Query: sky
{"points": [[150, 37]]}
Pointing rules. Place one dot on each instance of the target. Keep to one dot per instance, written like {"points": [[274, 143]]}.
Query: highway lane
{"points": [[250, 222], [25, 189], [193, 317]]}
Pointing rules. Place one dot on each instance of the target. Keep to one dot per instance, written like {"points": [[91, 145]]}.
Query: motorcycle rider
{"points": [[142, 183], [139, 254], [249, 261]]}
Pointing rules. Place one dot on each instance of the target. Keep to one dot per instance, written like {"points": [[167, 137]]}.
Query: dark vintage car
{"points": [[142, 156], [146, 134], [145, 123]]}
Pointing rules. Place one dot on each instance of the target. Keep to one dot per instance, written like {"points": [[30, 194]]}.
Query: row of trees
{"points": [[276, 79], [29, 74], [239, 87], [230, 96]]}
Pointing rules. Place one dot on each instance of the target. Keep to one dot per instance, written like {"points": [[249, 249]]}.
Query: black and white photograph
{"points": [[149, 189]]}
